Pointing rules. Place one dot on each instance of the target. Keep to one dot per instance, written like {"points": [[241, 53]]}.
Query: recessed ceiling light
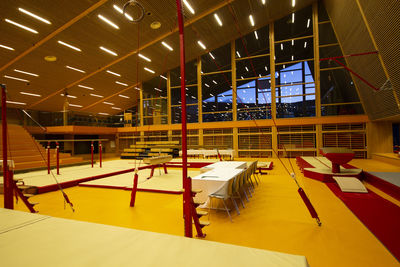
{"points": [[211, 55], [109, 22], [123, 96], [167, 46], [255, 33], [201, 44], [217, 19], [108, 103], [124, 84], [21, 26], [30, 94], [75, 69], [263, 2], [149, 70], [7, 47], [144, 57], [293, 3], [86, 87], [113, 73], [102, 113], [165, 78], [188, 6], [100, 96], [25, 72], [122, 12], [116, 108], [70, 46], [15, 78], [50, 58], [74, 105], [16, 103], [34, 16], [251, 20], [155, 25], [108, 51]]}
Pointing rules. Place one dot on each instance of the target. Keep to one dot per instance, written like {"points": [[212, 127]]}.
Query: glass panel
{"points": [[155, 87], [322, 14], [217, 95], [191, 95], [294, 50], [192, 112], [191, 74], [227, 116], [294, 25], [330, 51], [155, 120], [253, 67], [351, 109], [294, 106], [254, 99], [302, 72], [254, 43], [337, 87], [326, 34], [221, 60]]}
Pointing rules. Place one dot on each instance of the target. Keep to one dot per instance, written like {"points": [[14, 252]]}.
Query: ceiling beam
{"points": [[162, 37], [51, 35]]}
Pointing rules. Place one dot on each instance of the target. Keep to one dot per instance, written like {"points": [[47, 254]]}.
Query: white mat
{"points": [[350, 184]]}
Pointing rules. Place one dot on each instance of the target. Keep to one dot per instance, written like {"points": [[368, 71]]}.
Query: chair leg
{"points": [[241, 200], [227, 210], [244, 191], [236, 207], [255, 178]]}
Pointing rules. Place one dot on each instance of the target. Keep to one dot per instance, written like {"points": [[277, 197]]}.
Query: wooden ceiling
{"points": [[76, 22]]}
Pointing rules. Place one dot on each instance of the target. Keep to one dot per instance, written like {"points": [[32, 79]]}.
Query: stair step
{"points": [[204, 223], [196, 203], [28, 195], [201, 213], [34, 203]]}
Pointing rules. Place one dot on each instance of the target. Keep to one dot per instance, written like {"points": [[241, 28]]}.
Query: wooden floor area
{"points": [[274, 219]]}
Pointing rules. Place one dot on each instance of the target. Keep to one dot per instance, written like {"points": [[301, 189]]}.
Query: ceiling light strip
{"points": [[217, 19], [99, 96], [75, 69], [15, 78], [188, 6], [70, 46], [7, 47], [124, 84], [167, 46], [27, 73], [144, 57], [74, 105], [109, 22], [108, 51], [30, 94], [34, 16], [16, 103], [123, 96], [21, 26], [202, 45], [113, 73], [86, 87], [149, 70]]}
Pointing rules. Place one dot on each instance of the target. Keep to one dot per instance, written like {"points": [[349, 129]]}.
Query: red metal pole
{"points": [[100, 150], [186, 186], [58, 158], [7, 179], [91, 150], [134, 189], [48, 157]]}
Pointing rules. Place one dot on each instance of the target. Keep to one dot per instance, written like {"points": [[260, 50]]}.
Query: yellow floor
{"points": [[274, 219]]}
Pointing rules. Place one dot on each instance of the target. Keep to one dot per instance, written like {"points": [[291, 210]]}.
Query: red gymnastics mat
{"points": [[379, 215]]}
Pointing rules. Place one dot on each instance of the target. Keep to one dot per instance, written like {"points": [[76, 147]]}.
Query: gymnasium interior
{"points": [[200, 133]]}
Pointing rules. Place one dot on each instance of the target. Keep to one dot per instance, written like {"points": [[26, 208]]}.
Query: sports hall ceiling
{"points": [[77, 23]]}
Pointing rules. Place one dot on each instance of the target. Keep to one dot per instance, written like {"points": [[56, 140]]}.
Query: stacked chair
{"points": [[242, 186]]}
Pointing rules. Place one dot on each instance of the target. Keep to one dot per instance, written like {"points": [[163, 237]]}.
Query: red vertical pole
{"points": [[91, 150], [8, 187], [48, 157], [58, 158], [186, 186], [134, 189], [100, 151]]}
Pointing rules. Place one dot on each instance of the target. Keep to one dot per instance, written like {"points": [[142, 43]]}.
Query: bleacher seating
{"points": [[145, 149], [27, 153]]}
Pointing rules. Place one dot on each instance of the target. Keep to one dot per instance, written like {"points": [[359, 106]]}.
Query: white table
{"points": [[212, 181], [60, 242]]}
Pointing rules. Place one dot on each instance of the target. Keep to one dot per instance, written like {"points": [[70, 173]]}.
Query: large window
{"points": [[155, 101]]}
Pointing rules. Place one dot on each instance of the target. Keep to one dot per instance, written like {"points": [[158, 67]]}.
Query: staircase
{"points": [[27, 153]]}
